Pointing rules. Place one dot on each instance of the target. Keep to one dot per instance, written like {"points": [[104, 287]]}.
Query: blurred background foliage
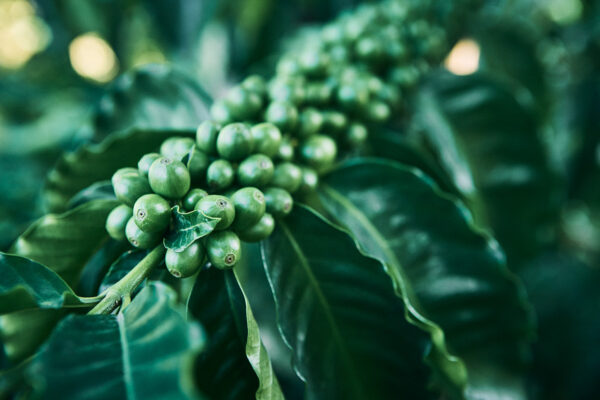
{"points": [[60, 59]]}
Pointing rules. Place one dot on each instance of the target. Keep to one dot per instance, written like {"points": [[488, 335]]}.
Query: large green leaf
{"points": [[98, 162], [338, 312], [188, 227], [234, 364], [65, 242], [449, 275], [489, 144], [154, 96], [142, 353], [26, 284]]}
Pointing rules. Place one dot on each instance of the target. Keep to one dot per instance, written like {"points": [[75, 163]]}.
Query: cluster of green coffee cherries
{"points": [[247, 187]]}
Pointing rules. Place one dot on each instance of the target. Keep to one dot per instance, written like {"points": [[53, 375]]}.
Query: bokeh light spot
{"points": [[93, 58], [463, 58]]}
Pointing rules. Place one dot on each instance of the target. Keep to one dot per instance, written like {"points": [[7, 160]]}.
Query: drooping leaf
{"points": [[26, 284], [153, 97], [188, 227], [98, 162], [143, 352], [66, 241], [96, 191], [489, 145], [338, 312], [453, 280], [234, 364], [63, 243]]}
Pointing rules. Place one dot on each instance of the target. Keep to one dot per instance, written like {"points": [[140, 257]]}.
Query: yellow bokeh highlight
{"points": [[22, 33], [463, 59], [93, 58]]}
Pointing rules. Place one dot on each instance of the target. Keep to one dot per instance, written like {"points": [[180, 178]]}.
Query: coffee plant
{"points": [[351, 222]]}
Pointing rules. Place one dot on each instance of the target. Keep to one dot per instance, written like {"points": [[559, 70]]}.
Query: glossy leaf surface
{"points": [[453, 279], [140, 353], [338, 312], [26, 284], [489, 143]]}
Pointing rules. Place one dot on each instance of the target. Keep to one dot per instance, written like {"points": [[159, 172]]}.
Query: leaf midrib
{"points": [[349, 364], [127, 373]]}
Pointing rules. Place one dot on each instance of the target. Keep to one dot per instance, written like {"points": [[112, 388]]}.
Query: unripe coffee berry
{"points": [[259, 231], [282, 114], [234, 141], [128, 185], [117, 220], [152, 213], [224, 249], [206, 137], [217, 207], [185, 263], [221, 113], [176, 148], [256, 84], [287, 176], [243, 104], [311, 122], [169, 178], [267, 138], [219, 175], [250, 206], [192, 198], [140, 239], [310, 180], [146, 161], [279, 202], [256, 170], [319, 151]]}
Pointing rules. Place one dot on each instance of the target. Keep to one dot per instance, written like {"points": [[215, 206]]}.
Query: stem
{"points": [[125, 287]]}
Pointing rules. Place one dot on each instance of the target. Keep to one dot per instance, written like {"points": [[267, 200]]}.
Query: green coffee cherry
{"points": [[256, 84], [287, 176], [250, 206], [185, 263], [279, 202], [369, 49], [140, 239], [197, 165], [286, 149], [217, 207], [259, 231], [219, 175], [267, 138], [117, 220], [152, 213], [256, 170], [334, 121], [176, 148], [311, 121], [310, 180], [319, 151], [243, 104], [314, 62], [146, 161], [356, 135], [169, 178], [288, 67], [282, 114], [221, 113], [288, 89], [234, 141], [353, 96], [318, 93], [378, 111], [192, 198], [224, 249], [129, 185], [206, 137]]}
